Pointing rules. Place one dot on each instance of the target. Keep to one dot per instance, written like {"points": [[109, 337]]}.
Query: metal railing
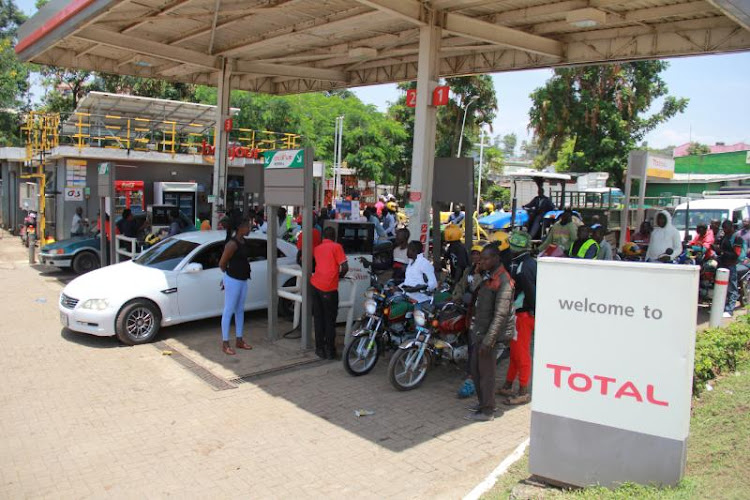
{"points": [[130, 249]]}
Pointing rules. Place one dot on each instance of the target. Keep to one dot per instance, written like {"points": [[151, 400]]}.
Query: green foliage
{"points": [[603, 107], [720, 349], [143, 87], [497, 194], [567, 156], [697, 148], [509, 144], [14, 84], [450, 117]]}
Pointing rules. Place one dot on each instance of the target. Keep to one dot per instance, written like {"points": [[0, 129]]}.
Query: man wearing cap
{"points": [[523, 272], [562, 233], [463, 294], [584, 247]]}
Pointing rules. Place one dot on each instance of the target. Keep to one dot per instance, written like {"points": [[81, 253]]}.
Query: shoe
{"points": [[521, 399], [241, 344], [727, 315], [475, 408], [480, 417], [467, 389], [505, 391], [228, 350]]}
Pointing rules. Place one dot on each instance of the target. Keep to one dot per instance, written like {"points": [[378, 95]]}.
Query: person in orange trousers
{"points": [[523, 272]]}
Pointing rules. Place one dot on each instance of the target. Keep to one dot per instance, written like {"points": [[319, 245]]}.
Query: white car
{"points": [[175, 281]]}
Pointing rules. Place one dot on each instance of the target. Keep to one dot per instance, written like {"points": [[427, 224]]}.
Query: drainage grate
{"points": [[216, 382], [305, 363]]}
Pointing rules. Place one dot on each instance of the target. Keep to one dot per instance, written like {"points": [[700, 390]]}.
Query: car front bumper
{"points": [[56, 260], [99, 323]]}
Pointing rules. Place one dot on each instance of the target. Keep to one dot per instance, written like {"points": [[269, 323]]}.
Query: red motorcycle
{"points": [[441, 335]]}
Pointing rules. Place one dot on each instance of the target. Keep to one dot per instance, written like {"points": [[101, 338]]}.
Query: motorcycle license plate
{"points": [[64, 319]]}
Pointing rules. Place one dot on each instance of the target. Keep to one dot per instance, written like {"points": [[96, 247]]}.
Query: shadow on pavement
{"points": [[51, 273], [87, 340]]}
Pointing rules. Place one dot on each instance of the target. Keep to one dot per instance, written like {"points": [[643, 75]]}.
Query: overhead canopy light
{"points": [[586, 18]]}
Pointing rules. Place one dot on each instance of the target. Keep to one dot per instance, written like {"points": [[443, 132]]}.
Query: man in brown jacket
{"points": [[492, 323]]}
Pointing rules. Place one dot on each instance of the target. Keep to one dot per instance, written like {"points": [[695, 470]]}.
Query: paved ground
{"points": [[85, 417]]}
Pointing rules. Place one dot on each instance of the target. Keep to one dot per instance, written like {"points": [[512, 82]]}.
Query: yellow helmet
{"points": [[477, 248], [392, 206], [630, 249], [501, 237], [452, 233], [489, 207]]}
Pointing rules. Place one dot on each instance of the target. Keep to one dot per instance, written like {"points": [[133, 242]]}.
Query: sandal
{"points": [[228, 350], [505, 391], [241, 344]]}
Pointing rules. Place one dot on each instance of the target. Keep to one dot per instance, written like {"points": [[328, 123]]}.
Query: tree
{"points": [[697, 148], [143, 87], [14, 75], [509, 144], [602, 108], [450, 117]]}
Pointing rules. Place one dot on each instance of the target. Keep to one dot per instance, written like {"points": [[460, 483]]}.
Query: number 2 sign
{"points": [[411, 98]]}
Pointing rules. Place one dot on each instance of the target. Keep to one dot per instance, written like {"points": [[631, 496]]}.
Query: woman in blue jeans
{"points": [[236, 268]]}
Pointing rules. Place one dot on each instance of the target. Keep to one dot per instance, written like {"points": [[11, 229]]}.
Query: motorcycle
{"points": [[28, 228], [384, 326], [441, 335]]}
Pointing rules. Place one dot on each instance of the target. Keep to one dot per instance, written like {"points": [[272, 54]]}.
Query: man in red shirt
{"points": [[330, 267]]}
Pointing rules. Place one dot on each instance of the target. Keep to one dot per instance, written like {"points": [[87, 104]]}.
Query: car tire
{"points": [[85, 262], [138, 322]]}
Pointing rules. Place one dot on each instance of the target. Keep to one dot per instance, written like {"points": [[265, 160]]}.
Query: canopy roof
{"points": [[288, 46], [103, 105]]}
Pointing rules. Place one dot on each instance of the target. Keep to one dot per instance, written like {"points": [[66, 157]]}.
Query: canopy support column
{"points": [[423, 159], [221, 136]]}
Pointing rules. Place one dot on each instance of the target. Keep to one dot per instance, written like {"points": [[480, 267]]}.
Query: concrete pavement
{"points": [[84, 417]]}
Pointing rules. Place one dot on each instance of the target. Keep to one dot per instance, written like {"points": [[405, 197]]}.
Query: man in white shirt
{"points": [[76, 228], [420, 275]]}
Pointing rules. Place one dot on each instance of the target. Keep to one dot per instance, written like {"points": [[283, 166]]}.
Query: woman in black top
{"points": [[236, 268]]}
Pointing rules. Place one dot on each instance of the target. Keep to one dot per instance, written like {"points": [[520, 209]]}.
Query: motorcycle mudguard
{"points": [[361, 333], [399, 308]]}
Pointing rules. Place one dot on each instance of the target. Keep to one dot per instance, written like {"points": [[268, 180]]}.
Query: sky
{"points": [[718, 87]]}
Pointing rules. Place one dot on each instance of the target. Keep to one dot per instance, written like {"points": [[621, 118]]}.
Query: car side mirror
{"points": [[193, 267]]}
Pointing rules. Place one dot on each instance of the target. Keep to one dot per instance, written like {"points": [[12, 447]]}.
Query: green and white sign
{"points": [[287, 158]]}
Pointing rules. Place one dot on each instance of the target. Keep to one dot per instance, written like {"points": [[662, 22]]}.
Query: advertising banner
{"points": [[290, 158], [613, 365]]}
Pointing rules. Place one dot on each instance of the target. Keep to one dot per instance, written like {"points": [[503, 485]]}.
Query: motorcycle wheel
{"points": [[402, 378], [745, 293], [357, 364]]}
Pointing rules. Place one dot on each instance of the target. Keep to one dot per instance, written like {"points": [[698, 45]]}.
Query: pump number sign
{"points": [[288, 158]]}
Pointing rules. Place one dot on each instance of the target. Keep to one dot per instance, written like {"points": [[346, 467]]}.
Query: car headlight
{"points": [[371, 306], [419, 318], [95, 304]]}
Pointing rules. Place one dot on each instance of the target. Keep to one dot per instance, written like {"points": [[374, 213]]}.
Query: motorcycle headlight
{"points": [[371, 306], [370, 293], [419, 318], [95, 304]]}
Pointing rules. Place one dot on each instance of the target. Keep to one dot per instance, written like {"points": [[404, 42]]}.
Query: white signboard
{"points": [[288, 158], [614, 344], [659, 167], [75, 179], [73, 193]]}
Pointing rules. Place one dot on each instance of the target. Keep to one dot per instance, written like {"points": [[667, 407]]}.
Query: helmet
{"points": [[477, 247], [501, 237], [630, 249], [519, 241], [452, 233], [392, 206], [489, 207]]}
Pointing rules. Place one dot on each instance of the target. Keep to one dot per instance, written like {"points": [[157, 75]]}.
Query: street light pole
{"points": [[463, 124], [481, 163]]}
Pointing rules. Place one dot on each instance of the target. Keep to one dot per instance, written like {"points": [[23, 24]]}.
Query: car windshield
{"points": [[167, 254], [697, 216]]}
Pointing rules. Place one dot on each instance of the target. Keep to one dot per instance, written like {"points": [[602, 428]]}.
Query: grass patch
{"points": [[718, 464]]}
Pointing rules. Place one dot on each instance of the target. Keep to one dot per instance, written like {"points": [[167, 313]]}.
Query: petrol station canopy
{"points": [[291, 46]]}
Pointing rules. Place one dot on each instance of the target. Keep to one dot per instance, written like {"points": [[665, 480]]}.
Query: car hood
{"points": [[71, 244], [125, 280]]}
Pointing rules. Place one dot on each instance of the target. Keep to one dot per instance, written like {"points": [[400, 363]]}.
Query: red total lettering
{"points": [[581, 382]]}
